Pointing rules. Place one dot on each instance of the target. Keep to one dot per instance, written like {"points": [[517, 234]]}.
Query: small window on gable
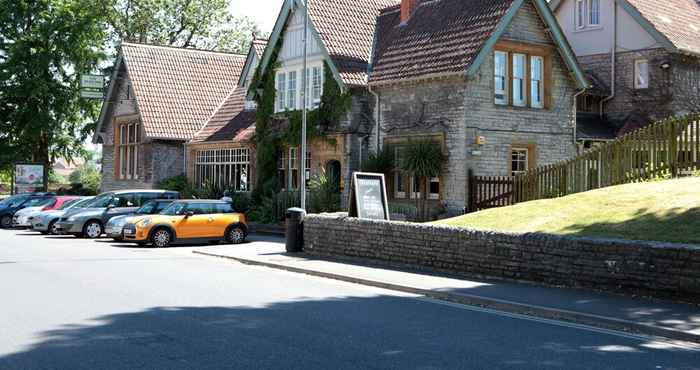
{"points": [[594, 12], [587, 14], [641, 74], [292, 90], [281, 90], [500, 77]]}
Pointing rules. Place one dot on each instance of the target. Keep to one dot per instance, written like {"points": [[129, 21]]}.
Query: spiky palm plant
{"points": [[423, 159]]}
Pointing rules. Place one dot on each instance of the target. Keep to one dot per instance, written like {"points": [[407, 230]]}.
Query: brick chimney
{"points": [[407, 8]]}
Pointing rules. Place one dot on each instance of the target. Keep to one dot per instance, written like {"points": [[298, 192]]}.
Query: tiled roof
{"points": [[259, 46], [230, 122], [346, 28], [178, 89], [441, 37], [678, 20]]}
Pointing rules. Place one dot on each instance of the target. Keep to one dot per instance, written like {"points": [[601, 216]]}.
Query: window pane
{"points": [[580, 13], [137, 128], [292, 90], [519, 160], [536, 83], [519, 79], [281, 86], [122, 134], [317, 84], [594, 12], [500, 70]]}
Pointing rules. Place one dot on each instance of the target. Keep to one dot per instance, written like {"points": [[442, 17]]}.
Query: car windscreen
{"points": [[174, 209], [14, 201], [148, 208], [81, 203], [38, 202], [67, 204], [100, 201]]}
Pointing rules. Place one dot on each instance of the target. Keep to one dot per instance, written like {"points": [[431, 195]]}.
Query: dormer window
{"points": [[587, 14]]}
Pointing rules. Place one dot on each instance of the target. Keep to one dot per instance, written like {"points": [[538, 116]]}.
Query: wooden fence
{"points": [[670, 147]]}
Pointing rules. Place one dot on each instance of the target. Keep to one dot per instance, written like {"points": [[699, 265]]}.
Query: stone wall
{"points": [[657, 269]]}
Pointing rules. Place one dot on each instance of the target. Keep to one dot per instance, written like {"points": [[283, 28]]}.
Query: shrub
{"points": [[379, 162], [323, 195]]}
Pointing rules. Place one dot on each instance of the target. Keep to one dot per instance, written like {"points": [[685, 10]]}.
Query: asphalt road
{"points": [[79, 304]]}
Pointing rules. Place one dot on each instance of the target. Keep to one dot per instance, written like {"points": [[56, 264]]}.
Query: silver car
{"points": [[45, 222]]}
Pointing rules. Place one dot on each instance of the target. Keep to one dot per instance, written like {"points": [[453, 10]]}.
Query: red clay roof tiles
{"points": [[678, 20]]}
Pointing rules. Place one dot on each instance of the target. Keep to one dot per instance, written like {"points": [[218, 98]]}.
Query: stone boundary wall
{"points": [[646, 268]]}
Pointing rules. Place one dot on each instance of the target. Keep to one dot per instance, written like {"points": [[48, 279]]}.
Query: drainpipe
{"points": [[376, 114], [612, 60], [184, 159], [579, 93]]}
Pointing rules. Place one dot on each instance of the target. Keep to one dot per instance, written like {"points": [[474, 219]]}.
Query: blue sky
{"points": [[264, 12]]}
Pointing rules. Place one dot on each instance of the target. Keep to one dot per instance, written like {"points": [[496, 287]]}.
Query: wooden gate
{"points": [[489, 192]]}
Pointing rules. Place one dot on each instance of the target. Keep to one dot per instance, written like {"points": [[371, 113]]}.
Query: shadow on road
{"points": [[353, 332]]}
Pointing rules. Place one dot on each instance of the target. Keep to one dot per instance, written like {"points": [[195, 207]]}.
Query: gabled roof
{"points": [[176, 89], [344, 30], [255, 53], [230, 122], [450, 37], [673, 23]]}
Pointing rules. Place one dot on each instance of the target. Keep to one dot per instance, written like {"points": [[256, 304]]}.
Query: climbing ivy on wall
{"points": [[334, 104]]}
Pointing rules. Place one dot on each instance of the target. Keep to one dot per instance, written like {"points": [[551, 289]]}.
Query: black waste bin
{"points": [[294, 231]]}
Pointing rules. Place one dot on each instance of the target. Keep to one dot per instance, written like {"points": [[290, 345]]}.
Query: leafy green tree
{"points": [[379, 162], [202, 24], [423, 159], [44, 47], [88, 175]]}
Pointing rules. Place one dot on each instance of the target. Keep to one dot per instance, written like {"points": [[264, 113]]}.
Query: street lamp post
{"points": [[304, 103]]}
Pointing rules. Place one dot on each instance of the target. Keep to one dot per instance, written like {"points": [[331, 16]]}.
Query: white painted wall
{"points": [[631, 36]]}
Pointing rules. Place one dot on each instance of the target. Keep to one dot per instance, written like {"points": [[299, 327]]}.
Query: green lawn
{"points": [[663, 211]]}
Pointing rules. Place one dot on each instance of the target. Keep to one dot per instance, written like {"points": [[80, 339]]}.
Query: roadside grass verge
{"points": [[667, 211]]}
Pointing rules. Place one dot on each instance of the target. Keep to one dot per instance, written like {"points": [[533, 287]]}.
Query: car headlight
{"points": [[72, 218], [145, 222]]}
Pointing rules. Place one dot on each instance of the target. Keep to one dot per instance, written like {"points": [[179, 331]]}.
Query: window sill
{"points": [[518, 108], [588, 29]]}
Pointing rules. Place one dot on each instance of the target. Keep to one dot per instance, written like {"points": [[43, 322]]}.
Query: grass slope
{"points": [[662, 211]]}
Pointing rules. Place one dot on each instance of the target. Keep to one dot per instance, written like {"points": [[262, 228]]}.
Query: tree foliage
{"points": [[44, 47], [423, 159], [202, 24]]}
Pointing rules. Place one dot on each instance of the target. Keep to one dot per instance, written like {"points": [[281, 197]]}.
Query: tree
{"points": [[423, 159], [202, 24], [379, 162], [44, 47], [88, 175]]}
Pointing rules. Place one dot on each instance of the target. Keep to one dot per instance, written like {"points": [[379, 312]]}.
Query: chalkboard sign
{"points": [[368, 196]]}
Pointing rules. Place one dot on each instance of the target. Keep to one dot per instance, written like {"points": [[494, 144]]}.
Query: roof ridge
{"points": [[187, 49]]}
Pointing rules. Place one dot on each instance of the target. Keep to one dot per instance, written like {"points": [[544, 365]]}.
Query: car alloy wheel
{"points": [[53, 228], [6, 222], [93, 230], [236, 235], [161, 238]]}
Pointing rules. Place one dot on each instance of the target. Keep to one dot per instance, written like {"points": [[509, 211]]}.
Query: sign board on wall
{"points": [[368, 196], [28, 178]]}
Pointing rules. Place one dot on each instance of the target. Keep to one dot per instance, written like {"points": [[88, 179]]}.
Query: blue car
{"points": [[10, 205]]}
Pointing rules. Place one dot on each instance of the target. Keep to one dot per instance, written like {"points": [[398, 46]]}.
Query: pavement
{"points": [[672, 320], [71, 303]]}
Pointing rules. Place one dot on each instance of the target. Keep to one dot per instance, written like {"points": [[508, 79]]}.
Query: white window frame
{"points": [[226, 167], [639, 85], [587, 14], [536, 81], [526, 161], [317, 85], [399, 176], [281, 83], [293, 166], [292, 89], [504, 70], [593, 11], [519, 80]]}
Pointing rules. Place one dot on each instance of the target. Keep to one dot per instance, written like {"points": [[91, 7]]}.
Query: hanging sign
{"points": [[92, 86], [368, 196]]}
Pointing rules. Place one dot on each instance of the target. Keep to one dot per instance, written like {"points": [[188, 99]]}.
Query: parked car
{"points": [[23, 218], [114, 226], [189, 221], [45, 221], [11, 205], [89, 221]]}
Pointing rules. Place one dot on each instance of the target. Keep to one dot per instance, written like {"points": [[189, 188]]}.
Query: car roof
{"points": [[199, 201], [141, 191]]}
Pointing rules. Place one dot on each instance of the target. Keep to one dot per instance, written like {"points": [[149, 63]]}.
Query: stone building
{"points": [[645, 55], [491, 82], [158, 99], [340, 37]]}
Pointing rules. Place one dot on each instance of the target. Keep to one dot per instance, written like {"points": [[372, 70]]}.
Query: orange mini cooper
{"points": [[188, 221]]}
